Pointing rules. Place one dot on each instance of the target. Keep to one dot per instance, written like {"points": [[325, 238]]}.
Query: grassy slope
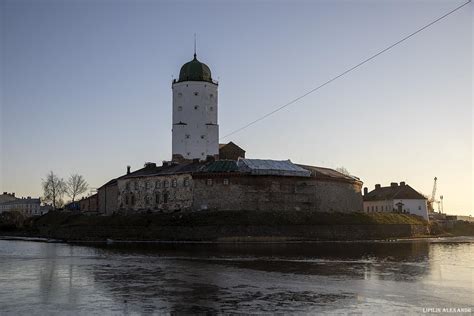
{"points": [[275, 218]]}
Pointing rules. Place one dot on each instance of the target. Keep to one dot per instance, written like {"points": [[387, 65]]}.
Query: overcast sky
{"points": [[86, 87]]}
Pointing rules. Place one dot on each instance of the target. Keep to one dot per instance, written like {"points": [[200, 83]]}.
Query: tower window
{"points": [[196, 93], [196, 107], [211, 108], [180, 94], [202, 136], [180, 108], [188, 136]]}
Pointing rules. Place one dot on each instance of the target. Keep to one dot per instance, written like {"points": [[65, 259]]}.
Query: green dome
{"points": [[195, 71]]}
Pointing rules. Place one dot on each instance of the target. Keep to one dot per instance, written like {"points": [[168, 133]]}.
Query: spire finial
{"points": [[194, 45]]}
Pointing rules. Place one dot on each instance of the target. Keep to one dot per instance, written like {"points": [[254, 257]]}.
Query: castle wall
{"points": [[273, 193], [153, 193]]}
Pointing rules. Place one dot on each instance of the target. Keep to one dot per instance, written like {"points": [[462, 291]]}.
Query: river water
{"points": [[404, 278]]}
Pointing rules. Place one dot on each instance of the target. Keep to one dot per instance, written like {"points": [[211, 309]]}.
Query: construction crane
{"points": [[441, 202], [432, 199]]}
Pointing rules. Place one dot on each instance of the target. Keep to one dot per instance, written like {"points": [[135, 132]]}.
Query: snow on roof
{"points": [[272, 167]]}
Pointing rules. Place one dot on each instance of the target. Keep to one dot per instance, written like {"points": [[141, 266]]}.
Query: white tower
{"points": [[195, 128]]}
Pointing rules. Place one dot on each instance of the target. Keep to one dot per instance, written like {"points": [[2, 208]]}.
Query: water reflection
{"points": [[191, 278]]}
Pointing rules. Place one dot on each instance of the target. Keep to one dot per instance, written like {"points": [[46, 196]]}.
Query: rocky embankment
{"points": [[226, 226]]}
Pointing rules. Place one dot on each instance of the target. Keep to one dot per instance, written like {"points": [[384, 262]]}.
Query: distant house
{"points": [[230, 151], [395, 198], [28, 206], [73, 206], [7, 197]]}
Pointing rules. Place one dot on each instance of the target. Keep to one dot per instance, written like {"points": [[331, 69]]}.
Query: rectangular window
{"points": [[174, 183], [136, 185], [165, 197], [166, 184], [376, 208], [158, 184], [209, 181], [186, 182], [225, 181], [157, 198]]}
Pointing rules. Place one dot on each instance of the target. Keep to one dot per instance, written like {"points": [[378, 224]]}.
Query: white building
{"points": [[28, 206], [195, 129], [395, 198]]}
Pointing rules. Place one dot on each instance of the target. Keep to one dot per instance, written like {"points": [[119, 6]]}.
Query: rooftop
{"points": [[393, 192]]}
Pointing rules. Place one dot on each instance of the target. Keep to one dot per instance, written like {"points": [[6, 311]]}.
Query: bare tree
{"points": [[53, 189], [343, 170], [75, 186]]}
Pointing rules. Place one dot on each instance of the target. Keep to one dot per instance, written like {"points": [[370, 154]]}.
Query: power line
{"points": [[345, 72]]}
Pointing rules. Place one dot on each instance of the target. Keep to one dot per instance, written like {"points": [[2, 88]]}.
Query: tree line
{"points": [[54, 188]]}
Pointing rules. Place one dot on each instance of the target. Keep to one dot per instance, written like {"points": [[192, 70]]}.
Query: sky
{"points": [[86, 87]]}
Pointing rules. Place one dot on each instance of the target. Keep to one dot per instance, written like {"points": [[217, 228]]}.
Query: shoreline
{"points": [[112, 242]]}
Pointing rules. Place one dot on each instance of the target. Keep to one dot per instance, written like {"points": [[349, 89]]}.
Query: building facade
{"points": [[395, 198], [247, 184], [195, 130], [108, 198], [28, 206]]}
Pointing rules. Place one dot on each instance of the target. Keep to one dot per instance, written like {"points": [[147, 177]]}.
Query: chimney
{"points": [[150, 165], [366, 191], [394, 184], [377, 186], [402, 184], [128, 169]]}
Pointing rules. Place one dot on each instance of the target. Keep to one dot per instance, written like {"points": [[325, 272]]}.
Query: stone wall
{"points": [[246, 192], [153, 193], [108, 196]]}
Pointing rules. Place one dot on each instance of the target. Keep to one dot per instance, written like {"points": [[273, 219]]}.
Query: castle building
{"points": [[206, 175], [195, 129]]}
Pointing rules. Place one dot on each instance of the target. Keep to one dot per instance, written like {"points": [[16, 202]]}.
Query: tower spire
{"points": [[194, 45]]}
